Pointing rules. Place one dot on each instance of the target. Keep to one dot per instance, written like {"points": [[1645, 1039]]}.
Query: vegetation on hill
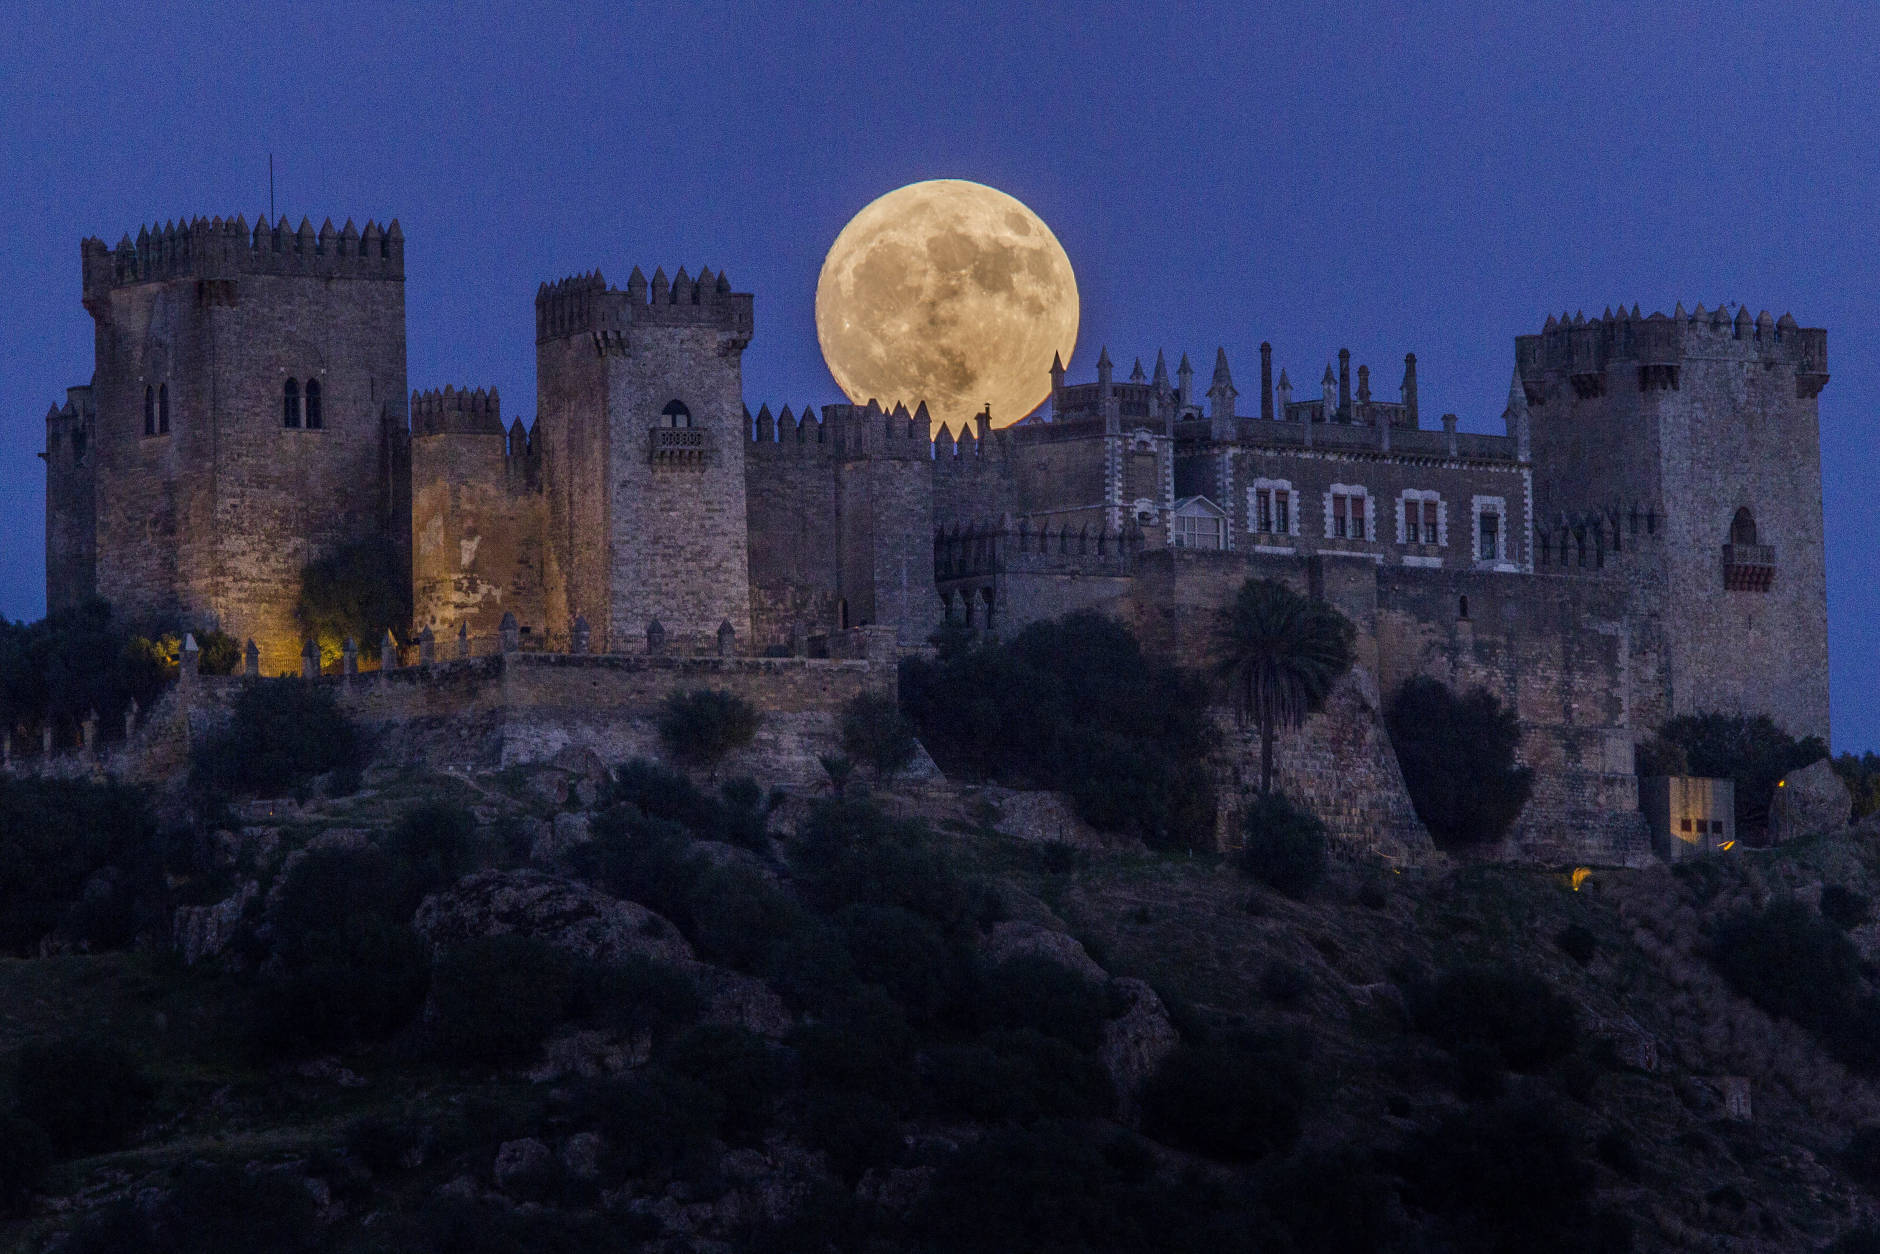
{"points": [[1753, 752], [1073, 705], [1281, 653]]}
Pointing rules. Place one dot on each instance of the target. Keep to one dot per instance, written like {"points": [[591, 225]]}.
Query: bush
{"points": [[635, 995], [496, 997], [904, 954], [356, 980], [1073, 705], [1753, 752], [1578, 943], [645, 860], [874, 732], [1016, 1076], [657, 1123], [1232, 1104], [1517, 1014], [865, 1046], [284, 732], [849, 853], [1619, 1151], [1458, 760], [1658, 756], [432, 847], [25, 1154], [1332, 1203], [86, 1096], [741, 919], [1788, 960], [75, 661], [1284, 982], [210, 1209], [1285, 846], [702, 727], [359, 592], [736, 1065], [1517, 1176], [79, 858], [1844, 907], [1045, 996], [855, 1130]]}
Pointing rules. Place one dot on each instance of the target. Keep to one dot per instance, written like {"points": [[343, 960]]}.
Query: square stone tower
{"points": [[1707, 425], [250, 417], [642, 437]]}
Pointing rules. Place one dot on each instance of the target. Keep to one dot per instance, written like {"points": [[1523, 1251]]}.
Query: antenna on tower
{"points": [[270, 187]]}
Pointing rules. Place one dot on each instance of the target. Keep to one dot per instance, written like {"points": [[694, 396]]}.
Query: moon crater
{"points": [[948, 292]]}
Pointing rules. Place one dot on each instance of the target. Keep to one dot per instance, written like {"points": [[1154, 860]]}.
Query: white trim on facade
{"points": [[1292, 506], [1370, 510], [1420, 495]]}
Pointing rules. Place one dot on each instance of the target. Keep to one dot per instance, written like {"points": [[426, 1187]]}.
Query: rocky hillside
{"points": [[574, 1008]]}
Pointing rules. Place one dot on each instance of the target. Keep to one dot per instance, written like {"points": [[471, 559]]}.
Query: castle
{"points": [[1645, 539]]}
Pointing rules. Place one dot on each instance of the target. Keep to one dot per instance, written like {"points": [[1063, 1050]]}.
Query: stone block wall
{"points": [[477, 535]]}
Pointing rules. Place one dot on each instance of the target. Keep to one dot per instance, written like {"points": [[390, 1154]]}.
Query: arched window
{"points": [[313, 405], [676, 414], [1462, 607], [150, 411], [290, 404], [1743, 528], [163, 409]]}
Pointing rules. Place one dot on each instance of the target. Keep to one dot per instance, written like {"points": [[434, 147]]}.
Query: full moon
{"points": [[948, 292]]}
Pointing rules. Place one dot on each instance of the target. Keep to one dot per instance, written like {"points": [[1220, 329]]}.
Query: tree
{"points": [[1753, 752], [1285, 845], [359, 592], [875, 731], [702, 727], [1282, 654], [1458, 761]]}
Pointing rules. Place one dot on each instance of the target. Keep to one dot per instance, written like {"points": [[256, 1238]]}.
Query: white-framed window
{"points": [[1492, 532], [1199, 524], [1422, 517], [1272, 507], [1348, 513]]}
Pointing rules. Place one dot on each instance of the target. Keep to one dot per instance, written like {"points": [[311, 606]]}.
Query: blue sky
{"points": [[1430, 178]]}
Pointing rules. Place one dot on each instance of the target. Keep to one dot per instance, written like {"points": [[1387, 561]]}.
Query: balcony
{"points": [[682, 448], [1748, 567]]}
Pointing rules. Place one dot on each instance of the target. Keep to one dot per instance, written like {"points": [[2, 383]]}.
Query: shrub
{"points": [[855, 1130], [1618, 1149], [865, 1046], [1517, 1014], [1035, 992], [25, 1154], [1074, 705], [76, 857], [850, 852], [656, 1122], [432, 847], [1862, 1240], [1016, 1076], [1518, 1174], [903, 953], [75, 661], [356, 979], [1285, 845], [1753, 752], [359, 592], [1789, 961], [381, 1144], [1658, 756], [1227, 1103], [86, 1096], [496, 997], [741, 919], [1578, 943], [1458, 760], [1332, 1203], [702, 727], [283, 733], [209, 1209], [1843, 907], [737, 1066], [875, 732], [643, 859], [636, 994]]}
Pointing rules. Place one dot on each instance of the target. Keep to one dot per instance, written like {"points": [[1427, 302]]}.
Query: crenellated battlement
{"points": [[586, 304], [841, 431], [1604, 538], [1577, 353], [454, 412], [218, 248]]}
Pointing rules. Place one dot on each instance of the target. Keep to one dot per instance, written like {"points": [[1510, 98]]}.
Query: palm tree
{"points": [[1282, 653]]}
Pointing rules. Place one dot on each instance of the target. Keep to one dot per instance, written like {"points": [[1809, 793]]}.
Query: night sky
{"points": [[1430, 178]]}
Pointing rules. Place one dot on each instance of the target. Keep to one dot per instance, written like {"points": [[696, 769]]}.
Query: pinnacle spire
{"points": [[1221, 373]]}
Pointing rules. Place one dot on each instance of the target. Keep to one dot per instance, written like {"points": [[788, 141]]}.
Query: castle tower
{"points": [[640, 395], [1708, 426], [250, 417], [71, 501]]}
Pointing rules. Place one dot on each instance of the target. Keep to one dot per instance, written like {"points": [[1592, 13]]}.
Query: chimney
{"points": [[1410, 388], [1344, 385], [1266, 381]]}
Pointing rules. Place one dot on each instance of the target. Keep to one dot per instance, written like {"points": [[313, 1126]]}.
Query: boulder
{"points": [[573, 917], [581, 1155], [1013, 939], [735, 999], [1808, 802], [557, 839], [199, 932], [1136, 1042], [1046, 817], [520, 1164]]}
